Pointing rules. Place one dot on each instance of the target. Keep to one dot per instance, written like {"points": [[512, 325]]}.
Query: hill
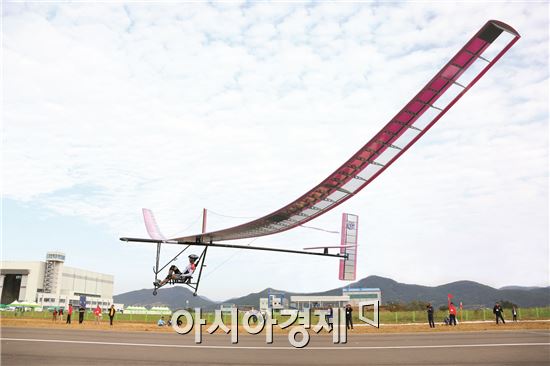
{"points": [[469, 292], [174, 297], [521, 288], [472, 294]]}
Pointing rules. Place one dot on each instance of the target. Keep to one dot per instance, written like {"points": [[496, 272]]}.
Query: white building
{"points": [[51, 283], [356, 295], [273, 301], [352, 296], [314, 301]]}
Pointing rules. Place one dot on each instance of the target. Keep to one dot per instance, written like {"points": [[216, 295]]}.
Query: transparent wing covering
{"points": [[151, 225], [350, 227], [402, 131]]}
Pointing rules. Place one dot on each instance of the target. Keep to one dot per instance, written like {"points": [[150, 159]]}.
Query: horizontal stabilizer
{"points": [[151, 225]]}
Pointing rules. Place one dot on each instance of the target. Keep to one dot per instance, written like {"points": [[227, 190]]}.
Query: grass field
{"points": [[136, 326], [386, 317]]}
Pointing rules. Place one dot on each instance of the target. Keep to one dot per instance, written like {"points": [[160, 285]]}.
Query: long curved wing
{"points": [[473, 60]]}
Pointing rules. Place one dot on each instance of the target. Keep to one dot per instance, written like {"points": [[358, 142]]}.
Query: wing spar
{"points": [[448, 85]]}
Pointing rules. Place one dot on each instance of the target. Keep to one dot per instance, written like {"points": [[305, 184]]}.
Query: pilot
{"points": [[175, 273]]}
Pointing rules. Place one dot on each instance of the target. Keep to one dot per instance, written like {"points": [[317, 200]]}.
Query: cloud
{"points": [[241, 108]]}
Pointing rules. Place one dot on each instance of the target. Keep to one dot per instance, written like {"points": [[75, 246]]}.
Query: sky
{"points": [[240, 108]]}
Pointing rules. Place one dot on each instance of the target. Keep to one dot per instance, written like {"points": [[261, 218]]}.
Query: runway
{"points": [[24, 346]]}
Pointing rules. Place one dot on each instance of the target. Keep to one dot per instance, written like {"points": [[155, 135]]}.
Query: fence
{"points": [[386, 317], [401, 317]]}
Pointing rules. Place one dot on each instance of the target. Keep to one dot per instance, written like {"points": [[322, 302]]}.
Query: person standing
{"points": [[60, 314], [97, 313], [497, 310], [81, 310], [112, 312], [330, 318], [54, 319], [69, 313], [349, 311], [430, 310], [452, 314], [514, 313]]}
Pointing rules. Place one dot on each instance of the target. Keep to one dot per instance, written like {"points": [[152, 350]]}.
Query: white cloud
{"points": [[242, 108]]}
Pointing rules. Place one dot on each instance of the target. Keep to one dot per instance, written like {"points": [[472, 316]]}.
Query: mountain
{"points": [[469, 292], [174, 297], [253, 299], [472, 294], [522, 288]]}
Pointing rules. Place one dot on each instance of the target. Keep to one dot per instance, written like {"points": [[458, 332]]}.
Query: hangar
{"points": [[52, 284]]}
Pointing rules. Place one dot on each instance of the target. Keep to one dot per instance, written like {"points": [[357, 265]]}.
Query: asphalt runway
{"points": [[23, 346]]}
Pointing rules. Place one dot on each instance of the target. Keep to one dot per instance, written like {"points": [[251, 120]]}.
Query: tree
{"points": [[507, 304]]}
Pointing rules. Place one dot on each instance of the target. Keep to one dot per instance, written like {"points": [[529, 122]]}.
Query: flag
{"points": [[449, 297], [82, 301]]}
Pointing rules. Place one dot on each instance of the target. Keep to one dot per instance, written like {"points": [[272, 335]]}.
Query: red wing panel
{"points": [[463, 70]]}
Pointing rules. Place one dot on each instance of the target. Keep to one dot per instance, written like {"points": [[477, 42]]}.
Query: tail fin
{"points": [[151, 225], [349, 246]]}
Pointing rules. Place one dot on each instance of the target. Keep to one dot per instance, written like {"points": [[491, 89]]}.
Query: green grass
{"points": [[386, 317], [400, 317]]}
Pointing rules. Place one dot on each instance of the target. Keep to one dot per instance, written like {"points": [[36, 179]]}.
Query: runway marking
{"points": [[542, 333], [272, 347]]}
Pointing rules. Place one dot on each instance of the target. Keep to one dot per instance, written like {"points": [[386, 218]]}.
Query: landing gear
{"points": [[156, 285]]}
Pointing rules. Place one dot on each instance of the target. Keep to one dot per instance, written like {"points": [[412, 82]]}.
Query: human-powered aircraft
{"points": [[448, 85]]}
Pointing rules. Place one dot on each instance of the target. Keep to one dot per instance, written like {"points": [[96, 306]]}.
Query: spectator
{"points": [[514, 313], [452, 314], [430, 311], [330, 318], [349, 311], [81, 310], [60, 314], [497, 310], [161, 323], [112, 312], [69, 313], [54, 315], [97, 313]]}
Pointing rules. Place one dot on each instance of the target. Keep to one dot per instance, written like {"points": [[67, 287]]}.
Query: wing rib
{"points": [[408, 125]]}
